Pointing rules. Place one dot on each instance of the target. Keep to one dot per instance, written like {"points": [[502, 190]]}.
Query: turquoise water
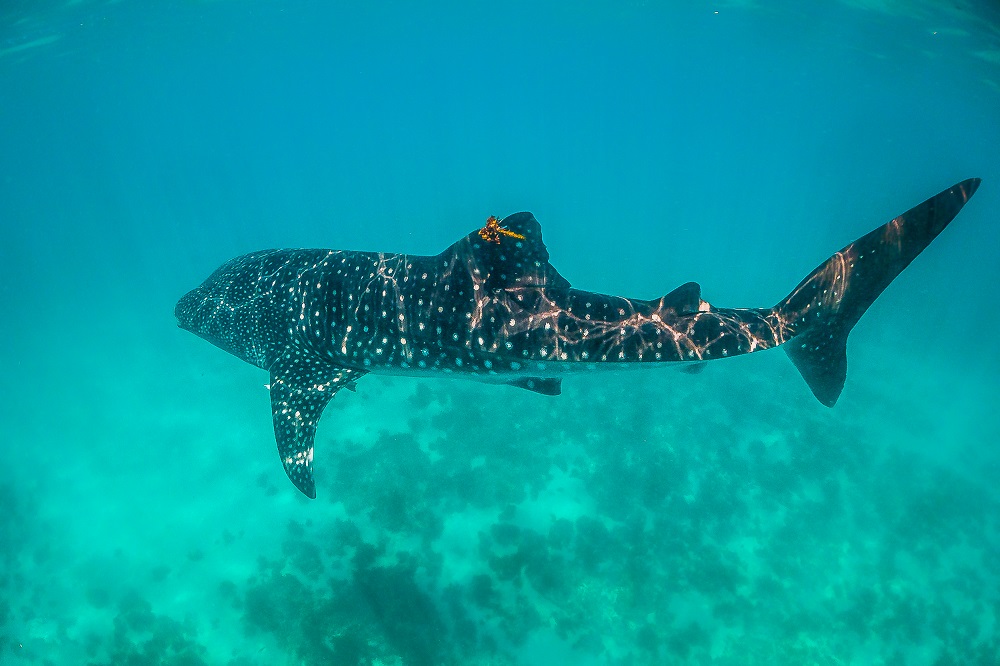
{"points": [[647, 518]]}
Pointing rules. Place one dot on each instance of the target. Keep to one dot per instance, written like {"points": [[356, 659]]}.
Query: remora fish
{"points": [[491, 307]]}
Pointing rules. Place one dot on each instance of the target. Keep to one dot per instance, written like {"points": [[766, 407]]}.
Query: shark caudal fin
{"points": [[819, 313]]}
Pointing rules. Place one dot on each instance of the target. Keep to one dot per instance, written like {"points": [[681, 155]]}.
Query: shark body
{"points": [[492, 307]]}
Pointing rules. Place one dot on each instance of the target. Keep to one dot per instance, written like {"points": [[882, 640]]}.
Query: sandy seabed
{"points": [[642, 518]]}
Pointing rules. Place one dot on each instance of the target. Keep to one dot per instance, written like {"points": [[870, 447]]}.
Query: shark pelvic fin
{"points": [[300, 390], [543, 385]]}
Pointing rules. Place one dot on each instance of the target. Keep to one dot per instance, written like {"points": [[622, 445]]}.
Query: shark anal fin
{"points": [[300, 390], [543, 385]]}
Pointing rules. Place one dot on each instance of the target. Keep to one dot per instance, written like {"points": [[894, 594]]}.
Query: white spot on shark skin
{"points": [[285, 286]]}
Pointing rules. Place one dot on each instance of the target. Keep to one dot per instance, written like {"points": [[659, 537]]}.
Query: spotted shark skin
{"points": [[491, 307]]}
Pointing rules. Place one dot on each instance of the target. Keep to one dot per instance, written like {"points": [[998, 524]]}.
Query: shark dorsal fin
{"points": [[685, 299], [510, 254]]}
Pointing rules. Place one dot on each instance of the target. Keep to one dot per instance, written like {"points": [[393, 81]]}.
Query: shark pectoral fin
{"points": [[543, 385], [300, 390]]}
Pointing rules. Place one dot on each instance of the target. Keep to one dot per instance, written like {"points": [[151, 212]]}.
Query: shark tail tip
{"points": [[821, 311]]}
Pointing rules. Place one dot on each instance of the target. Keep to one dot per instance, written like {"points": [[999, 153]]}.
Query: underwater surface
{"points": [[652, 517]]}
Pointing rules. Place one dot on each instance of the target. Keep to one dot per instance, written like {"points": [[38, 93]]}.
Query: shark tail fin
{"points": [[819, 314]]}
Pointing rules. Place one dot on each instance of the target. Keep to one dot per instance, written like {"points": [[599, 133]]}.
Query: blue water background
{"points": [[145, 515]]}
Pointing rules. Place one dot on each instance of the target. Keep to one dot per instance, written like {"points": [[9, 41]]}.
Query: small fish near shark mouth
{"points": [[491, 307]]}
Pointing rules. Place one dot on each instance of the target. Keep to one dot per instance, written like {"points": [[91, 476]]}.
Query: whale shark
{"points": [[492, 308]]}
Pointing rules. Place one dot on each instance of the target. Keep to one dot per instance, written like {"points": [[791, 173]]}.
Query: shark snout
{"points": [[187, 308]]}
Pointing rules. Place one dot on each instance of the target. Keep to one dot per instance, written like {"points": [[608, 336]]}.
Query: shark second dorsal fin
{"points": [[300, 390], [685, 299], [510, 254]]}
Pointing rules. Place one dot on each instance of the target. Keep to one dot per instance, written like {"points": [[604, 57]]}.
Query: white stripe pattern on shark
{"points": [[492, 307]]}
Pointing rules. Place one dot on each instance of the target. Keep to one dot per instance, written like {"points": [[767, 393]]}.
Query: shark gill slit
{"points": [[491, 307]]}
